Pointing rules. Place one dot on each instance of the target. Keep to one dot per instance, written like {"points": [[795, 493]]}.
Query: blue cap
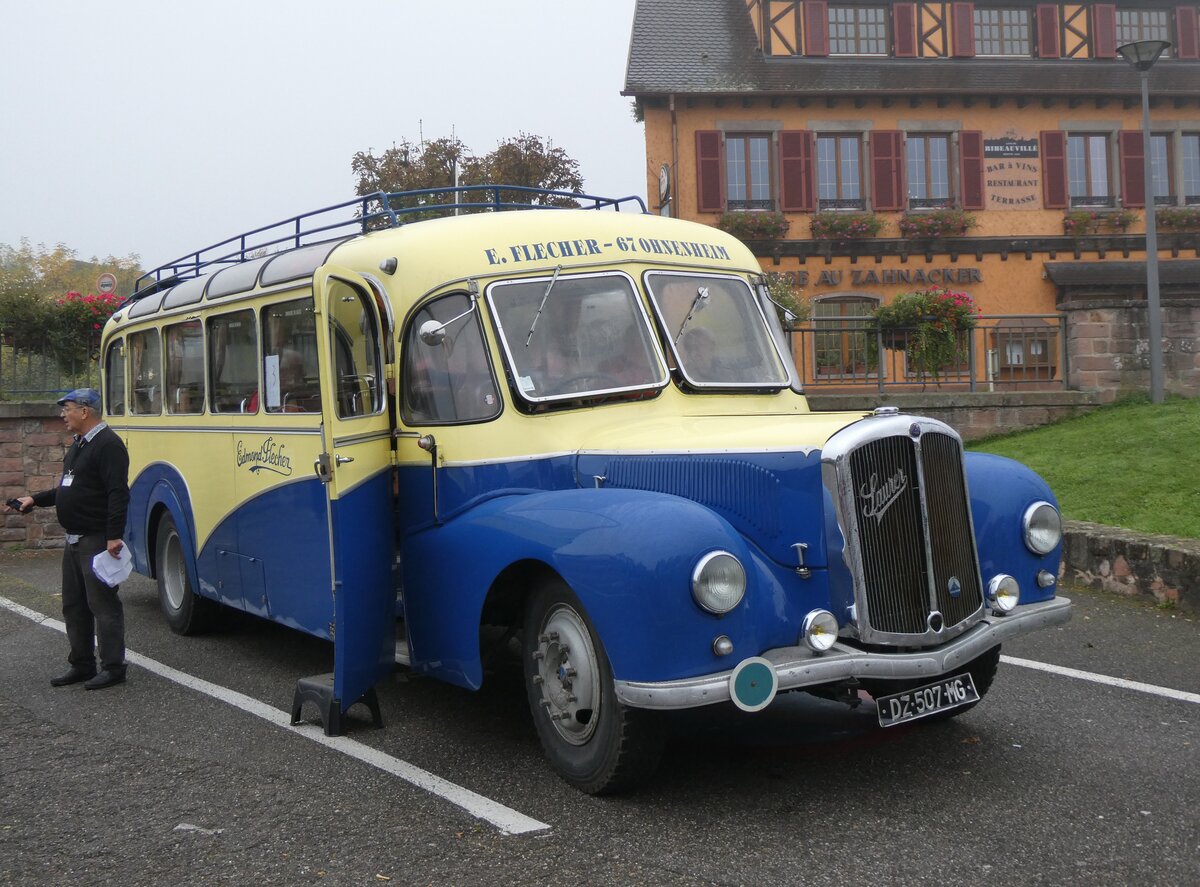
{"points": [[85, 397]]}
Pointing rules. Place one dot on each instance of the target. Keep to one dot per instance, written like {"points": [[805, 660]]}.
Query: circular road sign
{"points": [[106, 283]]}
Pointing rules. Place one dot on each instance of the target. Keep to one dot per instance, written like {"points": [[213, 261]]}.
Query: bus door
{"points": [[356, 468]]}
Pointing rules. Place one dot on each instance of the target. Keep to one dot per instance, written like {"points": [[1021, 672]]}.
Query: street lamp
{"points": [[1142, 55]]}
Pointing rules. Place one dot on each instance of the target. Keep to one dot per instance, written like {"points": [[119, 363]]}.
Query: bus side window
{"points": [[291, 381], [233, 363], [114, 377], [145, 373], [185, 367], [450, 381]]}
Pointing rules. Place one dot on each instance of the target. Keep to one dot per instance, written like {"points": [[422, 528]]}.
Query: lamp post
{"points": [[1142, 55]]}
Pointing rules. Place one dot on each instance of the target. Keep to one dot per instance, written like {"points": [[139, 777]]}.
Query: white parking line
{"points": [[507, 820], [1180, 695]]}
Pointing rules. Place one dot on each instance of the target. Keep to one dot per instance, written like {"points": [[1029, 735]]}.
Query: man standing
{"points": [[91, 500]]}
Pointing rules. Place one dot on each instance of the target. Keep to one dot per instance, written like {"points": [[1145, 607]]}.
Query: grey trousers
{"points": [[91, 609]]}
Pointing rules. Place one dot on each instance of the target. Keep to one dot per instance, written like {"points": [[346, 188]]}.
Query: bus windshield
{"points": [[716, 331], [569, 336]]}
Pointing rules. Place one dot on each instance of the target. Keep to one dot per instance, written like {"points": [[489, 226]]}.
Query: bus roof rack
{"points": [[373, 212]]}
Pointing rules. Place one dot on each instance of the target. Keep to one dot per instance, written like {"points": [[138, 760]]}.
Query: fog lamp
{"points": [[1004, 592], [820, 630]]}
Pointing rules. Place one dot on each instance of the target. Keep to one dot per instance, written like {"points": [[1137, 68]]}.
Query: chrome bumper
{"points": [[798, 667]]}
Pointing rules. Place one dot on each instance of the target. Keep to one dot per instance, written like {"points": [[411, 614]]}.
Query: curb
{"points": [[1163, 570]]}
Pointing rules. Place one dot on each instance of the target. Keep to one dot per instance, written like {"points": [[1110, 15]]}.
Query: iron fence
{"points": [[35, 368], [1002, 352]]}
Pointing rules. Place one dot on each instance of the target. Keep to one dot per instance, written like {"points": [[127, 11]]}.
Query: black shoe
{"points": [[105, 679], [75, 675]]}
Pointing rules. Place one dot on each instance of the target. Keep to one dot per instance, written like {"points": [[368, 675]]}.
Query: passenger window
{"points": [[114, 378], [451, 380], [354, 338], [233, 363], [145, 372], [185, 367], [291, 382]]}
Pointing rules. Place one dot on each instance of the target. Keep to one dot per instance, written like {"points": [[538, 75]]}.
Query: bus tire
{"points": [[185, 611], [592, 741]]}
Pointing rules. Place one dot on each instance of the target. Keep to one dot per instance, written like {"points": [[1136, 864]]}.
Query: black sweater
{"points": [[98, 497]]}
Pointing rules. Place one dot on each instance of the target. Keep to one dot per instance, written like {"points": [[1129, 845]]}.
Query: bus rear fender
{"points": [[628, 555]]}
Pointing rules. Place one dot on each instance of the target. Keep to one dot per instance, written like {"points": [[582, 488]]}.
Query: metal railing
{"points": [[1002, 352], [34, 368]]}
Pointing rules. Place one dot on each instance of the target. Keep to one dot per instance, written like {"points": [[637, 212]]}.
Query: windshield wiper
{"points": [[697, 303], [545, 296]]}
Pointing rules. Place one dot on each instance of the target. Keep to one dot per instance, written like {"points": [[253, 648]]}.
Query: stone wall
{"points": [[1164, 570], [1108, 345], [975, 415], [32, 443]]}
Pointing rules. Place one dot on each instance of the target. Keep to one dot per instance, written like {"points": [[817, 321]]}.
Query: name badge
{"points": [[68, 479]]}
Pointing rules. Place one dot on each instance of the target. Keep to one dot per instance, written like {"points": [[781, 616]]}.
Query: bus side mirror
{"points": [[433, 332]]}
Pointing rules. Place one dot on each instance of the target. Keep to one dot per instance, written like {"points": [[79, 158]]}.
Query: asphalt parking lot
{"points": [[190, 773]]}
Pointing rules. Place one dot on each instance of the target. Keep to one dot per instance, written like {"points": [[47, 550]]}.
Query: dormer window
{"points": [[858, 30]]}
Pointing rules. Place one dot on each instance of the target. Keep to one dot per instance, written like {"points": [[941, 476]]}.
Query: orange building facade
{"points": [[993, 149]]}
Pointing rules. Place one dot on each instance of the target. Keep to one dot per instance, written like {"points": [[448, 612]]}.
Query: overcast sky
{"points": [[158, 128]]}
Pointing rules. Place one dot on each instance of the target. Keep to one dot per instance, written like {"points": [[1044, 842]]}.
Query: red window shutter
{"points": [[962, 26], [1047, 32], [970, 168], [798, 185], [1104, 30], [904, 30], [1133, 170], [816, 27], [1054, 169], [887, 169], [709, 196], [1187, 33]]}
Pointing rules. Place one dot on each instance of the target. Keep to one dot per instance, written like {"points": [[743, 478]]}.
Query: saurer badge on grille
{"points": [[880, 498]]}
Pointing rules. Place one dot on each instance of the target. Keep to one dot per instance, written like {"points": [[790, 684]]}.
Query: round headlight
{"points": [[820, 630], [718, 582], [1042, 527], [1004, 592]]}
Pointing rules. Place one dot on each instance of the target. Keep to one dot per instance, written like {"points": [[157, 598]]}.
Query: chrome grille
{"points": [[905, 514]]}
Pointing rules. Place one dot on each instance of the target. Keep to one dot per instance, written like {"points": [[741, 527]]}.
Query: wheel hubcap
{"points": [[566, 672], [172, 567]]}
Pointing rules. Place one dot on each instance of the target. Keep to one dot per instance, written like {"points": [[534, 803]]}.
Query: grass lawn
{"points": [[1132, 465]]}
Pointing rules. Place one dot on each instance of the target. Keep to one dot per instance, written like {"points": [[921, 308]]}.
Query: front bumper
{"points": [[798, 667]]}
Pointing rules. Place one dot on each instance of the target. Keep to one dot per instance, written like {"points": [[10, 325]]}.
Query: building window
{"points": [[1002, 32], [1191, 168], [840, 339], [748, 172], [858, 30], [928, 162], [1087, 170], [839, 172], [1143, 24], [1160, 169]]}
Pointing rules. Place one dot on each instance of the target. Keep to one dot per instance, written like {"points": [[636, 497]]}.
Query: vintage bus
{"points": [[576, 430]]}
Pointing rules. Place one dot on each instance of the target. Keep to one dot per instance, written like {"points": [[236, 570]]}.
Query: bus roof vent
{"points": [[187, 293]]}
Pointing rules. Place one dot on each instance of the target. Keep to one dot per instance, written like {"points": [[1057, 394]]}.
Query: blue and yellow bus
{"points": [[580, 426]]}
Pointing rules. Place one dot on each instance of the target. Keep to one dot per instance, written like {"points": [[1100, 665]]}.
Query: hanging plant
{"points": [[929, 325]]}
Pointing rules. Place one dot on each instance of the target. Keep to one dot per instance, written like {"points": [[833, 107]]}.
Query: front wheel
{"points": [[593, 741], [185, 611]]}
